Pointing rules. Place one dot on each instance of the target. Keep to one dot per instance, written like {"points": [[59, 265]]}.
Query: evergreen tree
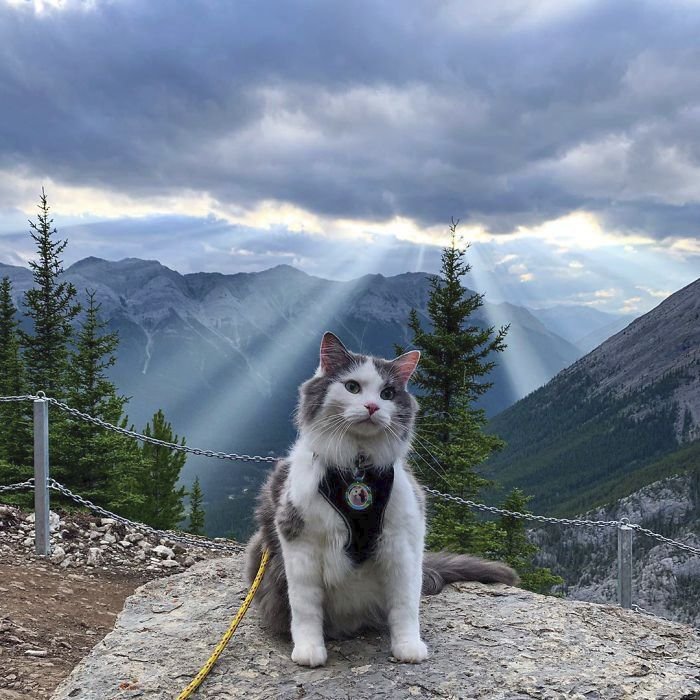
{"points": [[94, 457], [51, 305], [160, 470], [516, 550], [456, 356], [196, 510], [15, 424]]}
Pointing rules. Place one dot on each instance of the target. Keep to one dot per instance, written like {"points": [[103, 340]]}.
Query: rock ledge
{"points": [[490, 642]]}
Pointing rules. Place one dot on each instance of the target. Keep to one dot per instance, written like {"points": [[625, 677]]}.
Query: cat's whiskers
{"points": [[426, 444], [419, 456]]}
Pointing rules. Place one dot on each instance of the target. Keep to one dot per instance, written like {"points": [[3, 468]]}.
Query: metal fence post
{"points": [[41, 476], [624, 564]]}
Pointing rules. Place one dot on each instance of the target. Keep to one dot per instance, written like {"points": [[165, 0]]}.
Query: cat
{"points": [[344, 518]]}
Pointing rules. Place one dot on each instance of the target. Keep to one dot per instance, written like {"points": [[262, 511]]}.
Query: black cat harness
{"points": [[360, 498]]}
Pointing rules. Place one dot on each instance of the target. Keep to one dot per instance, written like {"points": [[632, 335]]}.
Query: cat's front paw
{"points": [[309, 655], [412, 652]]}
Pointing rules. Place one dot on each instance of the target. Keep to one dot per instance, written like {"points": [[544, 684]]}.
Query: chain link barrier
{"points": [[20, 486], [138, 436], [190, 540], [25, 397], [562, 521], [259, 459], [523, 516]]}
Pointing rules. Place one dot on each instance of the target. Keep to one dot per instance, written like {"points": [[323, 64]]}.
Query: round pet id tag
{"points": [[358, 495]]}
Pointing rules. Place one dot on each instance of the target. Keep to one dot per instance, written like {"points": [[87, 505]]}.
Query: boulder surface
{"points": [[492, 642]]}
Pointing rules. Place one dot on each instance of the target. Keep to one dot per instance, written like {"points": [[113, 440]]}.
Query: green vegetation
{"points": [[51, 305], [450, 442], [685, 460], [515, 548], [15, 436], [570, 446], [162, 506], [68, 358], [196, 526]]}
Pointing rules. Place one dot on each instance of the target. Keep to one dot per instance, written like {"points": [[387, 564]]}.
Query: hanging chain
{"points": [[138, 436], [523, 516], [259, 459], [21, 486], [189, 540]]}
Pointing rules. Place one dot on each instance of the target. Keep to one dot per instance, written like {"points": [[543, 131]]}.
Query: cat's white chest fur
{"points": [[327, 590]]}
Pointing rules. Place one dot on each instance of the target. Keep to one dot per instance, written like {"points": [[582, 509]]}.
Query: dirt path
{"points": [[59, 614]]}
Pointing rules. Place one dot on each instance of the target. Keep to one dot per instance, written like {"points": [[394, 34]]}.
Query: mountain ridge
{"points": [[622, 406], [223, 355]]}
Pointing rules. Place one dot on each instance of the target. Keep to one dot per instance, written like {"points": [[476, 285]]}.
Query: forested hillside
{"points": [[605, 424]]}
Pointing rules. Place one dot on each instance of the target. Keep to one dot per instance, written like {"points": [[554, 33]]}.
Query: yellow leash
{"points": [[204, 671]]}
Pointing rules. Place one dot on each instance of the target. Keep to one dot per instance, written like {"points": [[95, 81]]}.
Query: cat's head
{"points": [[358, 402]]}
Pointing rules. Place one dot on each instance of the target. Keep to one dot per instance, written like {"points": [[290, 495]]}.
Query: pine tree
{"points": [[160, 470], [456, 356], [51, 305], [516, 550], [196, 510], [96, 457], [15, 424]]}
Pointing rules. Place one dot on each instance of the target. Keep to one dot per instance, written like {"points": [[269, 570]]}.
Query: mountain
{"points": [[223, 355], [601, 424], [583, 326], [666, 579], [599, 335]]}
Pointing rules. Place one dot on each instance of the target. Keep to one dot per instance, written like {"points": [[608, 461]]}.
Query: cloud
{"points": [[509, 115], [631, 305], [656, 293], [606, 293]]}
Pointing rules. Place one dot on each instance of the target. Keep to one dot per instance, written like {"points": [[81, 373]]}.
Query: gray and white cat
{"points": [[344, 518]]}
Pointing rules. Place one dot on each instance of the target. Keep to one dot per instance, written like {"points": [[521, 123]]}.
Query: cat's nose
{"points": [[371, 407]]}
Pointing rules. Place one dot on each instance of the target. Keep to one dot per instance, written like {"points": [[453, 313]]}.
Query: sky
{"points": [[342, 138]]}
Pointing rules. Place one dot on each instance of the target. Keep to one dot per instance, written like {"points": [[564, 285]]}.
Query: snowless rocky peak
{"points": [[662, 345]]}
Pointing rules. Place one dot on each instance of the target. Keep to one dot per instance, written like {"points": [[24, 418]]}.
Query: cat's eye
{"points": [[352, 386], [388, 393]]}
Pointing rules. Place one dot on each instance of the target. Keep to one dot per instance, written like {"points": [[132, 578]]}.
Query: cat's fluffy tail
{"points": [[441, 568]]}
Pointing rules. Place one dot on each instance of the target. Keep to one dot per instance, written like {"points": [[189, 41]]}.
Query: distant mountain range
{"points": [[223, 355], [612, 422], [583, 326]]}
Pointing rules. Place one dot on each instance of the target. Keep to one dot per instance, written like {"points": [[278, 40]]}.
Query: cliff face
{"points": [[666, 580], [490, 642]]}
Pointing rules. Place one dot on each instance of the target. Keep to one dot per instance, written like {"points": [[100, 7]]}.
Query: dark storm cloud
{"points": [[503, 116]]}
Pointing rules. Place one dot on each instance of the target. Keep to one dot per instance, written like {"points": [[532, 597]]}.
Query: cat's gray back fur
{"points": [[272, 597]]}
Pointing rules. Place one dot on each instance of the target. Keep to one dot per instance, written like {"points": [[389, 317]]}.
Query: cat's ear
{"points": [[334, 354], [405, 365]]}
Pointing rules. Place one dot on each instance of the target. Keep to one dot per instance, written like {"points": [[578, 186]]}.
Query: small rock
{"points": [[108, 522], [36, 652], [170, 564], [164, 552], [58, 555], [189, 562], [108, 539], [94, 557]]}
